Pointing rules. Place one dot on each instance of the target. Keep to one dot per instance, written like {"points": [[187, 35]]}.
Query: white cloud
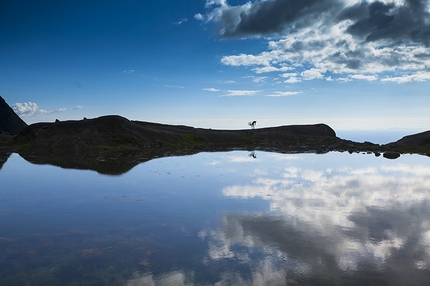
{"points": [[242, 92], [344, 79], [174, 86], [288, 74], [211, 89], [312, 74], [181, 21], [128, 71], [222, 3], [246, 60], [416, 77], [292, 79], [284, 93], [365, 77], [199, 17], [27, 109], [78, 107], [257, 79], [268, 69]]}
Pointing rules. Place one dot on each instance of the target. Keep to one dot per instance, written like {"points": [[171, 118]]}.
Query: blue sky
{"points": [[355, 65]]}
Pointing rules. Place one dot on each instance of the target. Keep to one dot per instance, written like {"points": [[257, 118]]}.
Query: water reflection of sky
{"points": [[227, 218]]}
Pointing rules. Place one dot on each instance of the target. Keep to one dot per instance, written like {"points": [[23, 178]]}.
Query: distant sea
{"points": [[376, 136]]}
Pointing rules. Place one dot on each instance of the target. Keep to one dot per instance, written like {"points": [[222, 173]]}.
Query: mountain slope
{"points": [[415, 143], [9, 121]]}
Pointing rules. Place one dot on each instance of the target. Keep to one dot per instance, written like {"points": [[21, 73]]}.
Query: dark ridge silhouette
{"points": [[113, 144], [9, 121], [113, 133]]}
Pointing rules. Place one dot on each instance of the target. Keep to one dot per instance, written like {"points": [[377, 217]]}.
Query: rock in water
{"points": [[9, 120], [391, 155]]}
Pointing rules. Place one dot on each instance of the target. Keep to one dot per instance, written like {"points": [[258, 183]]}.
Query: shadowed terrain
{"points": [[4, 155]]}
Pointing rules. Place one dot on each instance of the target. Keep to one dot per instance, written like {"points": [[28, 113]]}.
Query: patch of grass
{"points": [[23, 148], [187, 144], [53, 146], [250, 140], [190, 139], [116, 148]]}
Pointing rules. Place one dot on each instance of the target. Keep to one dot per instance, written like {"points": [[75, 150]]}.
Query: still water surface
{"points": [[219, 218]]}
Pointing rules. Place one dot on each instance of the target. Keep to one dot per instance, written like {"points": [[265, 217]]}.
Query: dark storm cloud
{"points": [[380, 21], [370, 20], [268, 17]]}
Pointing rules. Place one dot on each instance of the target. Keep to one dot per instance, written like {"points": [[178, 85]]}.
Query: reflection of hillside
{"points": [[113, 164], [335, 225], [4, 155]]}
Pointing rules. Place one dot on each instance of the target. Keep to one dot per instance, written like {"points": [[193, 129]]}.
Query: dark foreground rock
{"points": [[114, 144]]}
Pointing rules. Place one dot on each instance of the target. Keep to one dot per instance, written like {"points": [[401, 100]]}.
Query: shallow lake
{"points": [[231, 218]]}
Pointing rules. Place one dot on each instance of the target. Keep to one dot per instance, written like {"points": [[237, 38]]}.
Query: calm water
{"points": [[219, 218]]}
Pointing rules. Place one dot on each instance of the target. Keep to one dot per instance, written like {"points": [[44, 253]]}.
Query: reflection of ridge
{"points": [[3, 158]]}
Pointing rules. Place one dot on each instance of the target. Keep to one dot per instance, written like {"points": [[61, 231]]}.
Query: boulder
{"points": [[391, 155]]}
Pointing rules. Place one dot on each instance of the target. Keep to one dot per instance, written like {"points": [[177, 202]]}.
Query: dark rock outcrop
{"points": [[9, 121]]}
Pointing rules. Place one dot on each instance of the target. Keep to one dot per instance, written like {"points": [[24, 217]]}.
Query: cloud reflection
{"points": [[172, 278], [335, 220]]}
